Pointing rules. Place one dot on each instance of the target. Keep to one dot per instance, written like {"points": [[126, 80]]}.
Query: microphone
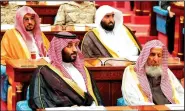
{"points": [[100, 61]]}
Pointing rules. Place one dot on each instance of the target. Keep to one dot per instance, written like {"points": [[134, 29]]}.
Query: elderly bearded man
{"points": [[21, 41], [66, 82], [150, 81], [110, 38]]}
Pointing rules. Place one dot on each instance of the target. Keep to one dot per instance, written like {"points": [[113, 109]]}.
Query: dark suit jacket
{"points": [[165, 4]]}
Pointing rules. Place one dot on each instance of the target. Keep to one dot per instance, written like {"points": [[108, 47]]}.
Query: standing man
{"points": [[24, 39], [66, 82], [111, 38], [150, 81], [170, 24]]}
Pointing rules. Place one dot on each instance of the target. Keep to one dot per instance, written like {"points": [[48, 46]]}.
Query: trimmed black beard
{"points": [[66, 57], [107, 27]]}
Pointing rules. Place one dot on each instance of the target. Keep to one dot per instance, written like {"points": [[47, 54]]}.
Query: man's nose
{"points": [[74, 48], [29, 21], [111, 19], [156, 58]]}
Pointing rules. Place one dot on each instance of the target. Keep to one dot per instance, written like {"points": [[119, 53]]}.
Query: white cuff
{"points": [[168, 8]]}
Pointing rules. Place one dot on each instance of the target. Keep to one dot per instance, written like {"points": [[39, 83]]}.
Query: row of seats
{"points": [[4, 83]]}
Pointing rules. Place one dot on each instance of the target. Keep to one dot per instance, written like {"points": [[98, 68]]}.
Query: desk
{"points": [[20, 72], [123, 108], [153, 28], [47, 13], [108, 78], [148, 108], [142, 8], [51, 30], [178, 9]]}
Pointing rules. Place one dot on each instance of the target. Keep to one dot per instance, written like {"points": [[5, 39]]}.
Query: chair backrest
{"points": [[3, 70], [161, 16], [4, 84], [121, 102], [160, 11]]}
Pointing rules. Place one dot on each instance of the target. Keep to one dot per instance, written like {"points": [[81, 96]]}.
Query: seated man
{"points": [[75, 12], [8, 11], [150, 81], [24, 39], [110, 38], [66, 82]]}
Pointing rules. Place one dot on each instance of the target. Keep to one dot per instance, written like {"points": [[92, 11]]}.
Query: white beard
{"points": [[153, 71]]}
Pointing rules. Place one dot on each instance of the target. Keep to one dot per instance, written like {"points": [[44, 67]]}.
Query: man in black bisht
{"points": [[65, 82]]}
